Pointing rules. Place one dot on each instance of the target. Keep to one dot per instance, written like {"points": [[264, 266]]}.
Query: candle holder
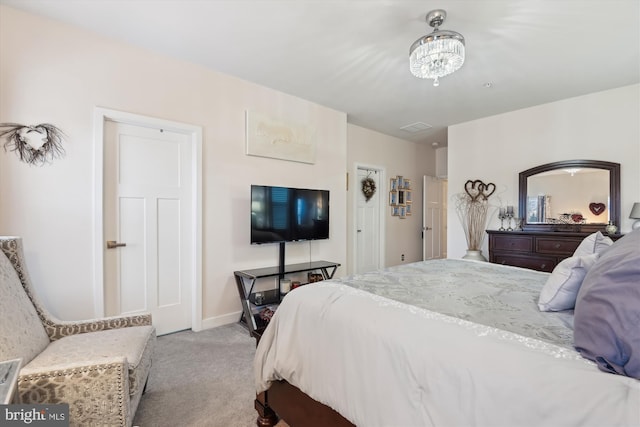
{"points": [[509, 217], [502, 215]]}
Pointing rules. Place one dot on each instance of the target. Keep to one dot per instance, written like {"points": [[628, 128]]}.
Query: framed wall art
{"points": [[393, 197], [400, 196], [279, 139]]}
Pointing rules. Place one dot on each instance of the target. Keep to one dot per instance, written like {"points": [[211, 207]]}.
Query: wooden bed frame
{"points": [[285, 401]]}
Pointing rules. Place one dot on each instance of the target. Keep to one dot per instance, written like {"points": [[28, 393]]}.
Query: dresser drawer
{"points": [[513, 243], [540, 251], [556, 246], [532, 262]]}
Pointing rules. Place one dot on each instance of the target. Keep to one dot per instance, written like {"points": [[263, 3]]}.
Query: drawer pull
{"points": [[543, 266], [558, 245]]}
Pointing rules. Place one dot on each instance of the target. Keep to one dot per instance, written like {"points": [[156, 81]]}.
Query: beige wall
{"points": [[56, 73], [396, 157], [599, 126]]}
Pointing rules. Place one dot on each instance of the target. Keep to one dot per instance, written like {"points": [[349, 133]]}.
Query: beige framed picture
{"points": [[393, 198], [279, 139]]}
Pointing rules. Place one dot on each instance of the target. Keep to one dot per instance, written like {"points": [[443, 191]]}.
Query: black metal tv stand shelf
{"points": [[246, 280]]}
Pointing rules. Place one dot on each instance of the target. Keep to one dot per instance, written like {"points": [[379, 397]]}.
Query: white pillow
{"points": [[561, 289], [593, 243]]}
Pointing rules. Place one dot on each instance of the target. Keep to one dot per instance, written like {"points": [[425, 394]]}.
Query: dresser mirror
{"points": [[572, 195]]}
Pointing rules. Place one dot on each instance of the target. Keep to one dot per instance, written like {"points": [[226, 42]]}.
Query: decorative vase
{"points": [[611, 228], [474, 255]]}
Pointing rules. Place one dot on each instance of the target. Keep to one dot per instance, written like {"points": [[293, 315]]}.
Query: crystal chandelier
{"points": [[437, 54]]}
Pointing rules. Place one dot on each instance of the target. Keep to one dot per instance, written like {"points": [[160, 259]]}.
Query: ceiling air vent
{"points": [[416, 127]]}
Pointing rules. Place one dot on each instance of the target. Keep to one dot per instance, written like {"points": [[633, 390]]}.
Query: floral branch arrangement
{"points": [[472, 206]]}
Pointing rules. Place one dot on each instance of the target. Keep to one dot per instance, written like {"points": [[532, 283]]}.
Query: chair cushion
{"points": [[21, 331], [135, 343]]}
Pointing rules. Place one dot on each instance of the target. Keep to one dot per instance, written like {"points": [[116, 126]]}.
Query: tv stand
{"points": [[246, 280], [281, 261]]}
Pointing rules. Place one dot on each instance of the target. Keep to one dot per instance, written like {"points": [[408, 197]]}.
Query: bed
{"points": [[457, 343]]}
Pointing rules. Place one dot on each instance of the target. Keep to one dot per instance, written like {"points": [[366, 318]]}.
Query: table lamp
{"points": [[635, 214]]}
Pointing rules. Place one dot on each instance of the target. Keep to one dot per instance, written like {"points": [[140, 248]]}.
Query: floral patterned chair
{"points": [[99, 367]]}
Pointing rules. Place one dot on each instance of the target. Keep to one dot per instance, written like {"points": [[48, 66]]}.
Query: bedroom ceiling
{"points": [[352, 55]]}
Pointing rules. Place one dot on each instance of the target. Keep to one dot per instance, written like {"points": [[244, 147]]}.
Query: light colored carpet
{"points": [[201, 379]]}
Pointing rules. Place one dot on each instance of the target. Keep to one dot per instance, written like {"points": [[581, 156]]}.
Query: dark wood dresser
{"points": [[537, 250]]}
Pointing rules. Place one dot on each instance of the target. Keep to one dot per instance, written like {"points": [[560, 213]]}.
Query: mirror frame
{"points": [[614, 195]]}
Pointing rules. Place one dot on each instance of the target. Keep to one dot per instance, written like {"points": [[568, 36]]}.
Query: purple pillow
{"points": [[607, 312]]}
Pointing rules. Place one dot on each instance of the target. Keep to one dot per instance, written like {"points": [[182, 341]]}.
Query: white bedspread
{"points": [[381, 362]]}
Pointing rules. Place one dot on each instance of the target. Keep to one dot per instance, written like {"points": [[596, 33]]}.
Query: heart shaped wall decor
{"points": [[35, 145], [596, 208], [34, 137], [478, 189]]}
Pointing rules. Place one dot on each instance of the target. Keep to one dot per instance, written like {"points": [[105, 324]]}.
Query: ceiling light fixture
{"points": [[572, 171], [437, 54]]}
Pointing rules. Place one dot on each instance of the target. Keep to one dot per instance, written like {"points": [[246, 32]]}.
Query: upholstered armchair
{"points": [[99, 367]]}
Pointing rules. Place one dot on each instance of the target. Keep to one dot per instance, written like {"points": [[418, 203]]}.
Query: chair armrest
{"points": [[98, 393], [63, 328]]}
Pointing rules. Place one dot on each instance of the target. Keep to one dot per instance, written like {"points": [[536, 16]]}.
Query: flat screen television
{"points": [[284, 214]]}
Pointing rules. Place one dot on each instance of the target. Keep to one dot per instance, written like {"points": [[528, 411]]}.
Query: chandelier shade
{"points": [[437, 54]]}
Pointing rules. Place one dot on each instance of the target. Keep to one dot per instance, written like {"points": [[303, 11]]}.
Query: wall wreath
{"points": [[35, 145], [368, 188]]}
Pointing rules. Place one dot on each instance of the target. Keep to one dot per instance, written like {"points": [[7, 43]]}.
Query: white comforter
{"points": [[380, 362]]}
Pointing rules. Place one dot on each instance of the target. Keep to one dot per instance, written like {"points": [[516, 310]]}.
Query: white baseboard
{"points": [[225, 319]]}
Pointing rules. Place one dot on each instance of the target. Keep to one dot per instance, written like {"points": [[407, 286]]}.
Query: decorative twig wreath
{"points": [[368, 188], [35, 145]]}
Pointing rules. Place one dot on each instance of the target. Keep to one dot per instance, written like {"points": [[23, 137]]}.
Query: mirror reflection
{"points": [[568, 196]]}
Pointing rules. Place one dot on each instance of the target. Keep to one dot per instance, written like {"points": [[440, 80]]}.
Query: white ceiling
{"points": [[352, 55]]}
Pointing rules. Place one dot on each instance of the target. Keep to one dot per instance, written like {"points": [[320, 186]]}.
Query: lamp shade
{"points": [[635, 214]]}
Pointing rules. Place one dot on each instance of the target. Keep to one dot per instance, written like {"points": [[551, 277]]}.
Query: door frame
{"points": [[100, 115], [382, 190], [442, 244]]}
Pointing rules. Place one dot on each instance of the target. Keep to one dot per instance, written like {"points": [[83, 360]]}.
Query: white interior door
{"points": [[432, 218], [147, 207], [367, 225]]}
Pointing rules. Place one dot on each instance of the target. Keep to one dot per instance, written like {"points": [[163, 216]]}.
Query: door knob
{"points": [[111, 244]]}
